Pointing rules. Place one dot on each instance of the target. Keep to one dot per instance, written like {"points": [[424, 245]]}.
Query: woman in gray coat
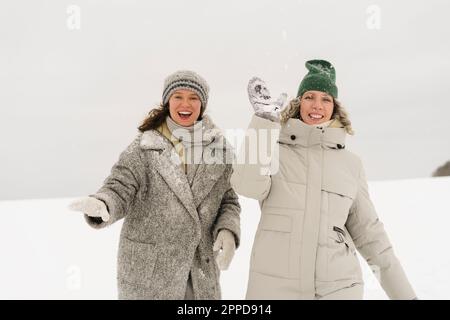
{"points": [[315, 206], [172, 187]]}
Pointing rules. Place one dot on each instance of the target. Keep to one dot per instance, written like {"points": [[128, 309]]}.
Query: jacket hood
{"points": [[296, 132]]}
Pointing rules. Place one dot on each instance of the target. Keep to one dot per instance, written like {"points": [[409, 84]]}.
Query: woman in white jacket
{"points": [[315, 206]]}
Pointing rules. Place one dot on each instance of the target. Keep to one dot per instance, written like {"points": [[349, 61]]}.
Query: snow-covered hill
{"points": [[49, 252]]}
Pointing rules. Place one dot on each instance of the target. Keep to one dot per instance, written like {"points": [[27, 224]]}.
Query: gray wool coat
{"points": [[169, 226]]}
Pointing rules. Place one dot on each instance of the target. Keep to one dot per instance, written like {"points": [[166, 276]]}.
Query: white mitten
{"points": [[263, 104], [90, 206], [224, 241]]}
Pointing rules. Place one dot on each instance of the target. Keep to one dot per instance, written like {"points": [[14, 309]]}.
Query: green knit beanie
{"points": [[321, 77]]}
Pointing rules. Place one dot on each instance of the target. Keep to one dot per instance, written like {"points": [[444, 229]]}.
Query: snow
{"points": [[49, 252]]}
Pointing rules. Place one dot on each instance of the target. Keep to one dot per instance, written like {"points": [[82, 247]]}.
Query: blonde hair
{"points": [[292, 110]]}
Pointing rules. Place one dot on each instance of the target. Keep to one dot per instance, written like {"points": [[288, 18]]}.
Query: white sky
{"points": [[70, 100]]}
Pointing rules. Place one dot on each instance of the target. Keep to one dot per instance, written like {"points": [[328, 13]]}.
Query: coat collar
{"points": [[296, 132], [166, 161]]}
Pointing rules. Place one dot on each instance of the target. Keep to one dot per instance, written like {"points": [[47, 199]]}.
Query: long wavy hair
{"points": [[155, 118], [292, 110]]}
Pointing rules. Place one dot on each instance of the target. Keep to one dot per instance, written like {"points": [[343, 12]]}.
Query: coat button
{"points": [[293, 137], [207, 260]]}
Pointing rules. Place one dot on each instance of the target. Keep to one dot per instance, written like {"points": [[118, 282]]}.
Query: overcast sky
{"points": [[77, 77]]}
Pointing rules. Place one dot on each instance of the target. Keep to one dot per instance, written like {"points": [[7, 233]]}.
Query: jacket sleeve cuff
{"points": [[395, 283]]}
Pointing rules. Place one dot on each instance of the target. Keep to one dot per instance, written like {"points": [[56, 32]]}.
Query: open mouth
{"points": [[315, 116], [184, 114]]}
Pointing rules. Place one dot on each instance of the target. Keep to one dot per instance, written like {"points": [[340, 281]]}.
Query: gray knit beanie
{"points": [[188, 80]]}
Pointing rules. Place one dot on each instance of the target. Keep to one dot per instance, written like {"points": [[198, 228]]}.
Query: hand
{"points": [[224, 241], [262, 102], [90, 206]]}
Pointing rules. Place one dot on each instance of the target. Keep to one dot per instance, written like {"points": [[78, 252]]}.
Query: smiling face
{"points": [[316, 107], [184, 107]]}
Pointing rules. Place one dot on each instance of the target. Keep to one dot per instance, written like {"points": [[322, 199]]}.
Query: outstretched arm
{"points": [[110, 203]]}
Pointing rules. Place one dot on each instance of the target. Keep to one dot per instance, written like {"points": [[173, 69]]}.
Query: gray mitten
{"points": [[263, 104], [91, 207]]}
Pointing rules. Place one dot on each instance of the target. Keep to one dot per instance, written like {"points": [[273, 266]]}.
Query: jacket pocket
{"points": [[340, 197], [343, 262], [340, 184], [136, 262], [272, 245]]}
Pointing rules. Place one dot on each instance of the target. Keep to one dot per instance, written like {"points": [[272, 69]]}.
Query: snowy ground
{"points": [[49, 252]]}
